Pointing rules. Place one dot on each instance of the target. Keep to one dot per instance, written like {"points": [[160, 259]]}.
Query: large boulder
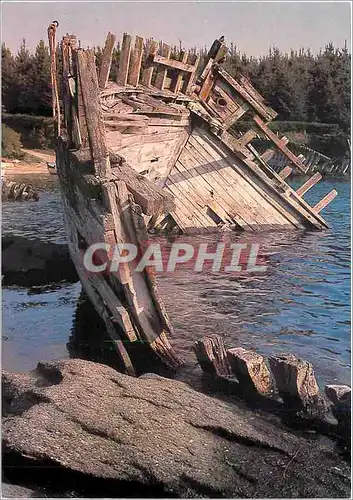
{"points": [[103, 433]]}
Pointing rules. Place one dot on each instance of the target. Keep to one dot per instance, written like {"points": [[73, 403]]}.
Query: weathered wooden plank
{"points": [[162, 71], [124, 61], [152, 199], [246, 205], [285, 172], [250, 369], [106, 61], [135, 63], [172, 63], [189, 78], [221, 190], [93, 112], [207, 85], [212, 357], [309, 184], [247, 137], [325, 201], [152, 48], [273, 137], [177, 76], [250, 89]]}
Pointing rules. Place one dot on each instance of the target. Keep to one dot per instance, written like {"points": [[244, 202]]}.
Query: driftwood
{"points": [[212, 356], [250, 369]]}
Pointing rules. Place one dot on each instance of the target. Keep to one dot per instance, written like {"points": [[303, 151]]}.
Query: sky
{"points": [[252, 26]]}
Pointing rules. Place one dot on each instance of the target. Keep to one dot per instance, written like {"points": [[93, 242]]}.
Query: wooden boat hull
{"points": [[129, 152]]}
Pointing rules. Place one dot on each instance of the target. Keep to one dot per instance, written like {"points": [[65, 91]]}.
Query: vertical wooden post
{"points": [[135, 65], [152, 48], [106, 61], [93, 113], [178, 75], [189, 78], [124, 60], [162, 70]]}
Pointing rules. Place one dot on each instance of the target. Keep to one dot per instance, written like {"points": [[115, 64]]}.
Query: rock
{"points": [[16, 491], [28, 262], [113, 435], [250, 369], [341, 396], [212, 356], [16, 191], [295, 380], [338, 393]]}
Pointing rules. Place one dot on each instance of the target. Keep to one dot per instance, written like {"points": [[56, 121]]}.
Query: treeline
{"points": [[300, 86]]}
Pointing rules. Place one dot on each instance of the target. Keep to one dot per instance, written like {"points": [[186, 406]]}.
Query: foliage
{"points": [[35, 131], [10, 143], [302, 87]]}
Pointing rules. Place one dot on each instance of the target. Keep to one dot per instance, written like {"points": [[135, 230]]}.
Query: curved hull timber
{"points": [[156, 147]]}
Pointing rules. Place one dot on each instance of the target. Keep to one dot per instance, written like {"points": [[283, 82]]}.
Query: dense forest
{"points": [[300, 86]]}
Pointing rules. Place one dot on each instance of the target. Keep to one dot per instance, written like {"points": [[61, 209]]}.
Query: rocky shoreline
{"points": [[78, 426]]}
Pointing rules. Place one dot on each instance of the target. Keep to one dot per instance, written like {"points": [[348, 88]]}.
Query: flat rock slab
{"points": [[152, 436]]}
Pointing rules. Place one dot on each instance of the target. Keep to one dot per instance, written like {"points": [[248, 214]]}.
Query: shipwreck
{"points": [[155, 150]]}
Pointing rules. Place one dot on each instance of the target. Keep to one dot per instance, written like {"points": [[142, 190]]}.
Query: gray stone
{"points": [[91, 423]]}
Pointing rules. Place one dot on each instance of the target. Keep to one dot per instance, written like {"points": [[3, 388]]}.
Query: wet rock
{"points": [[16, 191], [28, 262], [112, 435], [250, 369], [341, 395]]}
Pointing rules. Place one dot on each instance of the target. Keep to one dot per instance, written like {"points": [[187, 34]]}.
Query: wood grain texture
{"points": [[135, 63], [106, 61], [124, 61]]}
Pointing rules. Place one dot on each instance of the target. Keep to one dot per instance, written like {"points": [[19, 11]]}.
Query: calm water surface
{"points": [[301, 304]]}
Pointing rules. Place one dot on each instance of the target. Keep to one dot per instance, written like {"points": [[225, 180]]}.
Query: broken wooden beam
{"points": [[273, 137], [250, 369], [152, 199], [124, 61], [269, 153], [325, 201], [309, 184], [106, 61], [172, 63], [295, 380], [212, 356]]}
